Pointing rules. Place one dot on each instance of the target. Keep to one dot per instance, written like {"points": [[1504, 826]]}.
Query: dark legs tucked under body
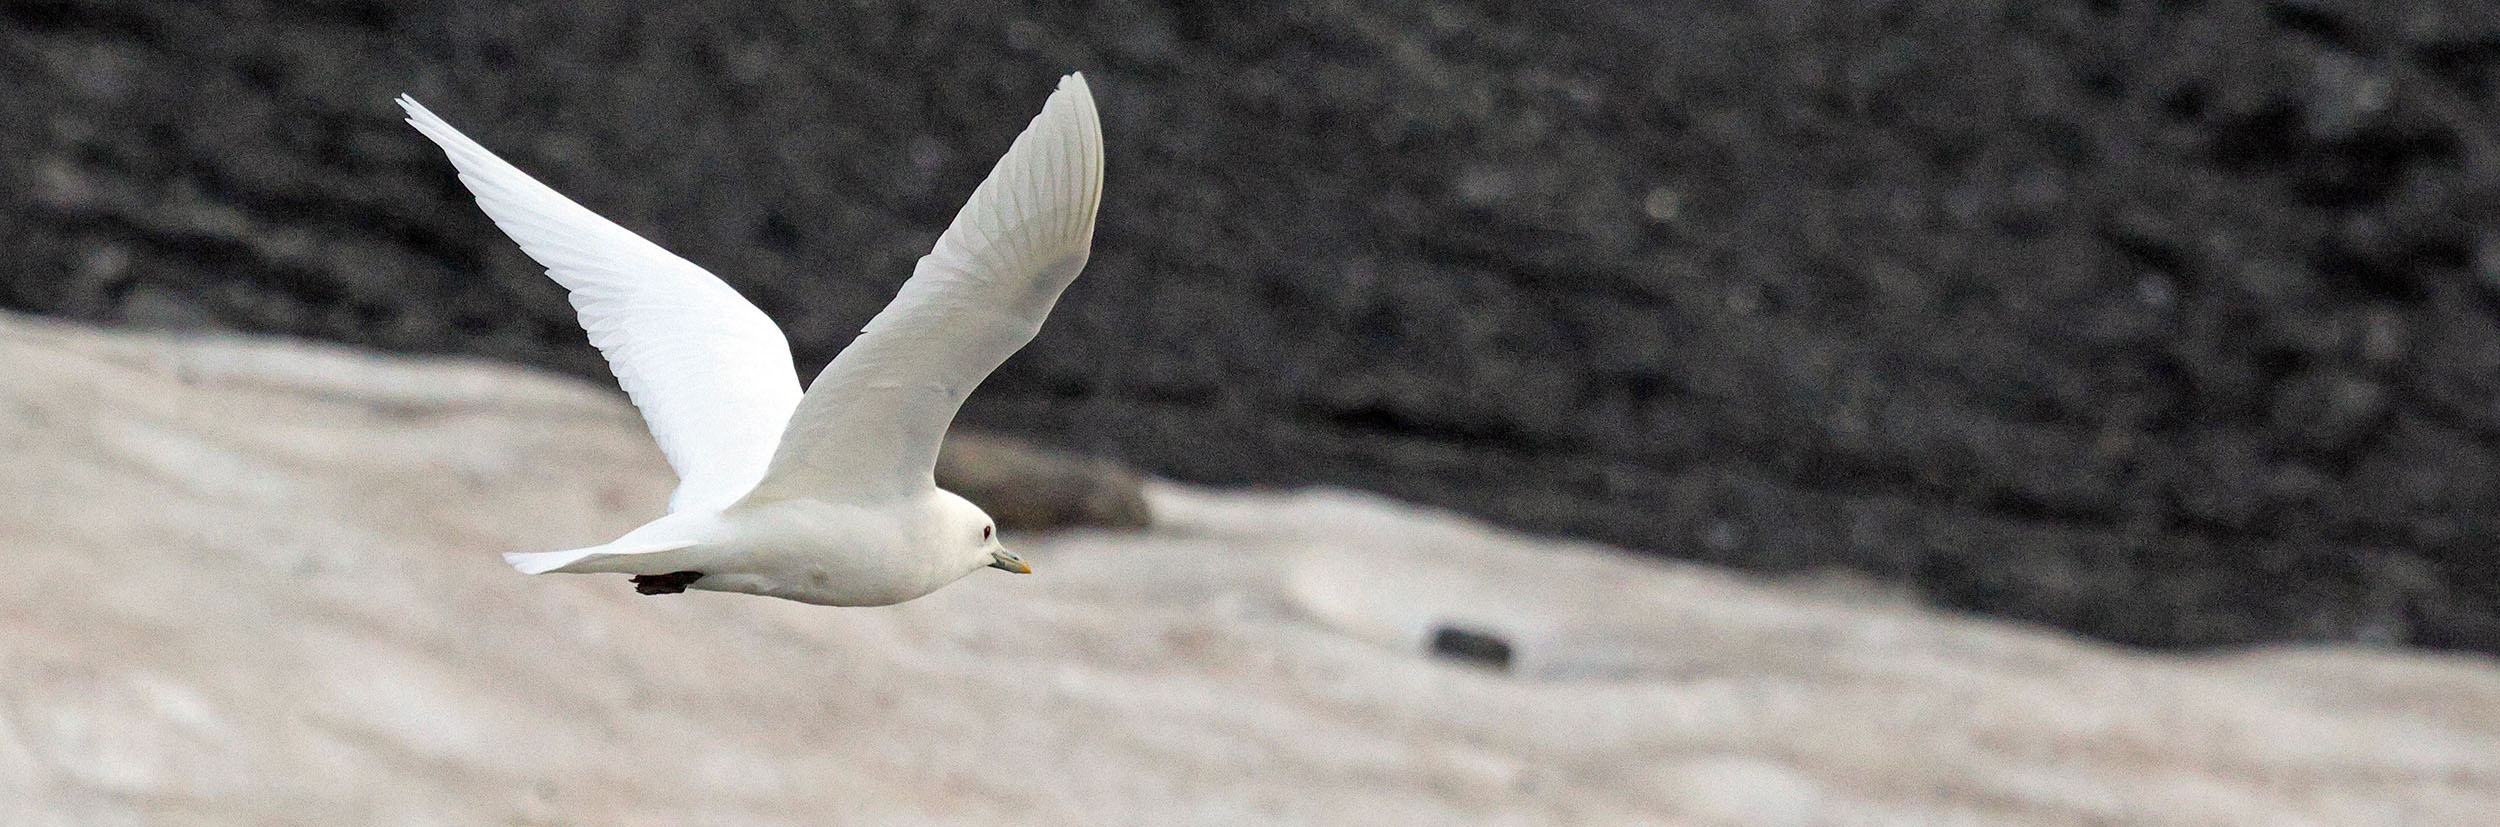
{"points": [[670, 583]]}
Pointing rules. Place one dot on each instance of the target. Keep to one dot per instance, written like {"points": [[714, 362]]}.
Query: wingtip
{"points": [[1073, 94], [1074, 82], [418, 115]]}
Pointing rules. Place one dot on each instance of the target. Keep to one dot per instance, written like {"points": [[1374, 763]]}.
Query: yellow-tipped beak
{"points": [[1005, 560]]}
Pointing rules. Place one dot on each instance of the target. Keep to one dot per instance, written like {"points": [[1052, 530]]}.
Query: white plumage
{"points": [[828, 496]]}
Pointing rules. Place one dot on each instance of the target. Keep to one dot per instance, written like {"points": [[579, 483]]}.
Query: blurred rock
{"points": [[1026, 486], [256, 582], [2086, 279]]}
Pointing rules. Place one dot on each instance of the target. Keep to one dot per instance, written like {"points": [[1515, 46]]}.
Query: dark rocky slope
{"points": [[2171, 323]]}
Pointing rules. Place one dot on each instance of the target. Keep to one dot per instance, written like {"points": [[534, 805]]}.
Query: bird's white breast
{"points": [[833, 554]]}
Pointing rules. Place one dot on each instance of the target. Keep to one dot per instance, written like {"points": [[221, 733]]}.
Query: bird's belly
{"points": [[823, 585], [816, 558]]}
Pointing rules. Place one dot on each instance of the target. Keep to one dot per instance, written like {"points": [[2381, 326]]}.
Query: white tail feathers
{"points": [[593, 559], [674, 532], [542, 562]]}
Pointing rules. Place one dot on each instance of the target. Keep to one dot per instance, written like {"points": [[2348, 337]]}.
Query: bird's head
{"points": [[967, 527]]}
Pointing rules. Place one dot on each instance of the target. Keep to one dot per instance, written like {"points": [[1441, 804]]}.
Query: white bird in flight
{"points": [[827, 497]]}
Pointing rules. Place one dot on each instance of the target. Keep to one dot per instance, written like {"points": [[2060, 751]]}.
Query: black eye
{"points": [[985, 532]]}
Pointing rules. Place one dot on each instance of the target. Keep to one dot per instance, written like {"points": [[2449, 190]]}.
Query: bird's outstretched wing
{"points": [[870, 425], [710, 372]]}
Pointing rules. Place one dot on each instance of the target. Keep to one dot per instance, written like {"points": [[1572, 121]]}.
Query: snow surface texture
{"points": [[255, 582]]}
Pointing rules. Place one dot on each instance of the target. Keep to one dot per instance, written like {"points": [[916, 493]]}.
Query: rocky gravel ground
{"points": [[2168, 322]]}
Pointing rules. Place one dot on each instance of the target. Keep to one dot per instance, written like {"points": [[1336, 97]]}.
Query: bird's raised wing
{"points": [[871, 423], [710, 372]]}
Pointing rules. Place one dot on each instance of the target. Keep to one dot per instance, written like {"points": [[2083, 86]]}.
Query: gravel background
{"points": [[2171, 323]]}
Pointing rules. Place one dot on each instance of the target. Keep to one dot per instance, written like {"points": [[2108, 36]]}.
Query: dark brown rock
{"points": [[1027, 487], [2172, 323]]}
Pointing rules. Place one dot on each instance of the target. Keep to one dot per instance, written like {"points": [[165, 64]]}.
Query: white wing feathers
{"points": [[710, 372], [871, 423]]}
